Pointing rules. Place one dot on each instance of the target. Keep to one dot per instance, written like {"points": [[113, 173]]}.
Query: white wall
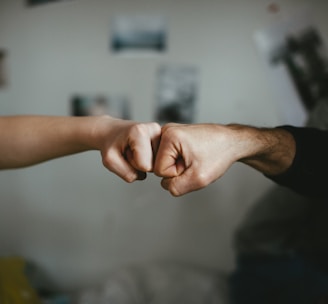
{"points": [[71, 216]]}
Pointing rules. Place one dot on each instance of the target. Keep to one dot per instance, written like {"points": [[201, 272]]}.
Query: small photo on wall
{"points": [[92, 105], [39, 2], [177, 93], [138, 35], [3, 69]]}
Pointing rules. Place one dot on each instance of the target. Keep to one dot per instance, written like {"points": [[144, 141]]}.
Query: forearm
{"points": [[306, 175], [293, 157], [270, 151], [190, 157], [126, 147], [27, 140]]}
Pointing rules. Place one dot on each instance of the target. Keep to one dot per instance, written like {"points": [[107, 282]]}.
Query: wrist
{"points": [[97, 130], [245, 140], [269, 150]]}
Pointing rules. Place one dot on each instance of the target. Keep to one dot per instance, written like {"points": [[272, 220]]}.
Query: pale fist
{"points": [[128, 148]]}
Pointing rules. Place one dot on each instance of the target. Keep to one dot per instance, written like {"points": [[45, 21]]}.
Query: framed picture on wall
{"points": [[177, 93], [91, 105], [3, 69], [39, 2], [138, 35]]}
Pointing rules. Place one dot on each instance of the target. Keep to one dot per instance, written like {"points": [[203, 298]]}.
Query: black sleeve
{"points": [[307, 174]]}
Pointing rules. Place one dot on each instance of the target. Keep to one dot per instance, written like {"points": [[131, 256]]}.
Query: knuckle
{"points": [[171, 133], [202, 180], [155, 126], [157, 168], [167, 127], [108, 159], [174, 191], [138, 129], [157, 172]]}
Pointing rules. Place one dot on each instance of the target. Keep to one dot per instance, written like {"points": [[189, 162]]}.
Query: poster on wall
{"points": [[177, 93], [294, 56], [39, 2], [3, 69], [91, 105], [138, 34]]}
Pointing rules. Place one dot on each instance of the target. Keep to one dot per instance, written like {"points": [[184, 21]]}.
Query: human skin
{"points": [[190, 157], [126, 147]]}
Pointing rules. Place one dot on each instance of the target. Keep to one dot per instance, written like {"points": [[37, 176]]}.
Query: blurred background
{"points": [[78, 222]]}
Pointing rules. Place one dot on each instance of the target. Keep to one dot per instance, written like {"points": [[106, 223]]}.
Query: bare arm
{"points": [[268, 150], [126, 146], [192, 156]]}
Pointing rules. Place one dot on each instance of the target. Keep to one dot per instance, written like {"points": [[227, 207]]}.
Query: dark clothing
{"points": [[307, 174], [282, 246], [277, 279]]}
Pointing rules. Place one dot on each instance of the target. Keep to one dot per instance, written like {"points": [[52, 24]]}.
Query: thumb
{"points": [[182, 183], [168, 162]]}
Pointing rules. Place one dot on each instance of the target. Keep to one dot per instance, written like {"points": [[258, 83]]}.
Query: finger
{"points": [[175, 186], [175, 170], [183, 184], [129, 156], [116, 163], [140, 143], [180, 166], [169, 184], [155, 132], [155, 142], [168, 162], [170, 159]]}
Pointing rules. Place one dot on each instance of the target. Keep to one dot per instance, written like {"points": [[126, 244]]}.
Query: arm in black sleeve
{"points": [[307, 174]]}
